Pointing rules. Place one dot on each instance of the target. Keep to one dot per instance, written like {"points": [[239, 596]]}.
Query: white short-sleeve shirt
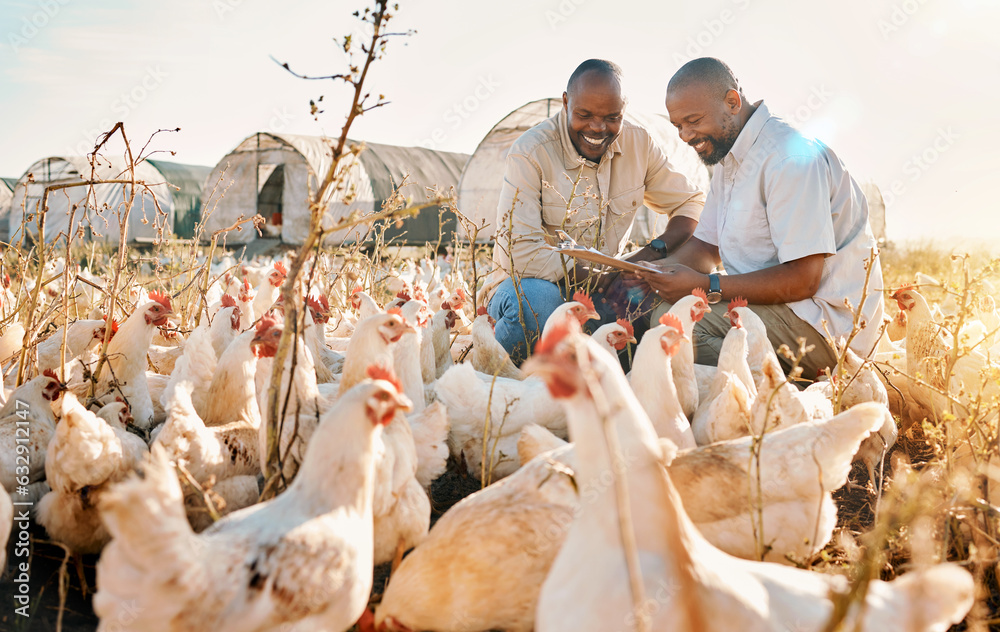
{"points": [[778, 196]]}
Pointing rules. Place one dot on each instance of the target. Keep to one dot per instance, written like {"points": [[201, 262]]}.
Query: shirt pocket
{"points": [[628, 202], [553, 214], [619, 217], [746, 238]]}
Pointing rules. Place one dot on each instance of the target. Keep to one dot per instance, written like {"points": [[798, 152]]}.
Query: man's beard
{"points": [[720, 144]]}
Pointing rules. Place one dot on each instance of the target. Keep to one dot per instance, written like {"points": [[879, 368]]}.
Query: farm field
{"points": [[922, 483]]}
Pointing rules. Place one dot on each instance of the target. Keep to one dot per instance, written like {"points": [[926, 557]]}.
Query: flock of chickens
{"points": [[678, 479]]}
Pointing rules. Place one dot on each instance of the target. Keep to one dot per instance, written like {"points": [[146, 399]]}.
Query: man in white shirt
{"points": [[783, 216]]}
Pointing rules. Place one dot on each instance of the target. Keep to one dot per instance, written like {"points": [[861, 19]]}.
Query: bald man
{"points": [[585, 171], [783, 216]]}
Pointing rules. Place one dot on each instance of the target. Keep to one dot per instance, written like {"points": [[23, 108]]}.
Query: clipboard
{"points": [[569, 247]]}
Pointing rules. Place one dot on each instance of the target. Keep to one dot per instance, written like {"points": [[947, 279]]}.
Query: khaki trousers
{"points": [[783, 327]]}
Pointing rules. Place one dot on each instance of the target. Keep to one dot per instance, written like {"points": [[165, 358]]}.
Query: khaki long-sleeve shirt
{"points": [[548, 186]]}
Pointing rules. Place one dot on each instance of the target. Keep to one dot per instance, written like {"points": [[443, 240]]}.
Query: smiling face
{"points": [[594, 112], [705, 120]]}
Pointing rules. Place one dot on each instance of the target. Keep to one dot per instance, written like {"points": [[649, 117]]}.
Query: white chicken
{"points": [[269, 289], [476, 401], [225, 455], [124, 373], [233, 395], [690, 309], [613, 337], [927, 353], [713, 589], [580, 307], [304, 557], [401, 507], [406, 354], [488, 356], [87, 454], [725, 413], [81, 336], [442, 323], [299, 400], [652, 380], [444, 584], [27, 425], [225, 325]]}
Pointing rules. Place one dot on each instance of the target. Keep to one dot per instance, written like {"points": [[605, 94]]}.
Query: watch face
{"points": [[714, 297], [657, 244]]}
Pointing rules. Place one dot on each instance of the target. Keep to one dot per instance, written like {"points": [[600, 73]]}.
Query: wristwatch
{"points": [[714, 289], [658, 247]]}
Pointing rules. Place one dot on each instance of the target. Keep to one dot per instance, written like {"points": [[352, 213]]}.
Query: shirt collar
{"points": [[571, 157], [748, 135]]}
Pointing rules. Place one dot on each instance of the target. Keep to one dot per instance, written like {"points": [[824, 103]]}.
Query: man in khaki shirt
{"points": [[585, 171]]}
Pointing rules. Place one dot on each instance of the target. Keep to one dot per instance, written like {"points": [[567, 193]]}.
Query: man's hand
{"points": [[673, 281]]}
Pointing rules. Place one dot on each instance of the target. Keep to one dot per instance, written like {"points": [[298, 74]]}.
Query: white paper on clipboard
{"points": [[567, 246]]}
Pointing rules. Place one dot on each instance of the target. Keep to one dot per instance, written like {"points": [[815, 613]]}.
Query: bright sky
{"points": [[904, 91]]}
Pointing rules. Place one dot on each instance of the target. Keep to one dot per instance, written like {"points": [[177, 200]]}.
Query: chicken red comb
{"points": [[160, 298], [280, 267], [266, 322], [395, 310], [481, 311], [50, 373], [556, 335], [357, 288], [246, 284], [671, 320], [461, 293], [228, 301], [404, 294], [739, 301], [584, 300], [114, 326], [627, 326], [700, 293], [382, 372], [903, 288]]}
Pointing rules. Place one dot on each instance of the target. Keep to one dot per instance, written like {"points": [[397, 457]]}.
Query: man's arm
{"points": [[679, 230], [784, 283], [669, 192], [520, 236]]}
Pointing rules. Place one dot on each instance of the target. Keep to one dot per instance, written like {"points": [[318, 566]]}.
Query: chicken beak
{"points": [[403, 402], [593, 315]]}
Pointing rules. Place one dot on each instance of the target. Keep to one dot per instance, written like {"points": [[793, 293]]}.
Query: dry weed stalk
{"points": [[334, 180]]}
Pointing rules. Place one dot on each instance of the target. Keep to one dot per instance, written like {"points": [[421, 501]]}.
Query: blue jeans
{"points": [[538, 299]]}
